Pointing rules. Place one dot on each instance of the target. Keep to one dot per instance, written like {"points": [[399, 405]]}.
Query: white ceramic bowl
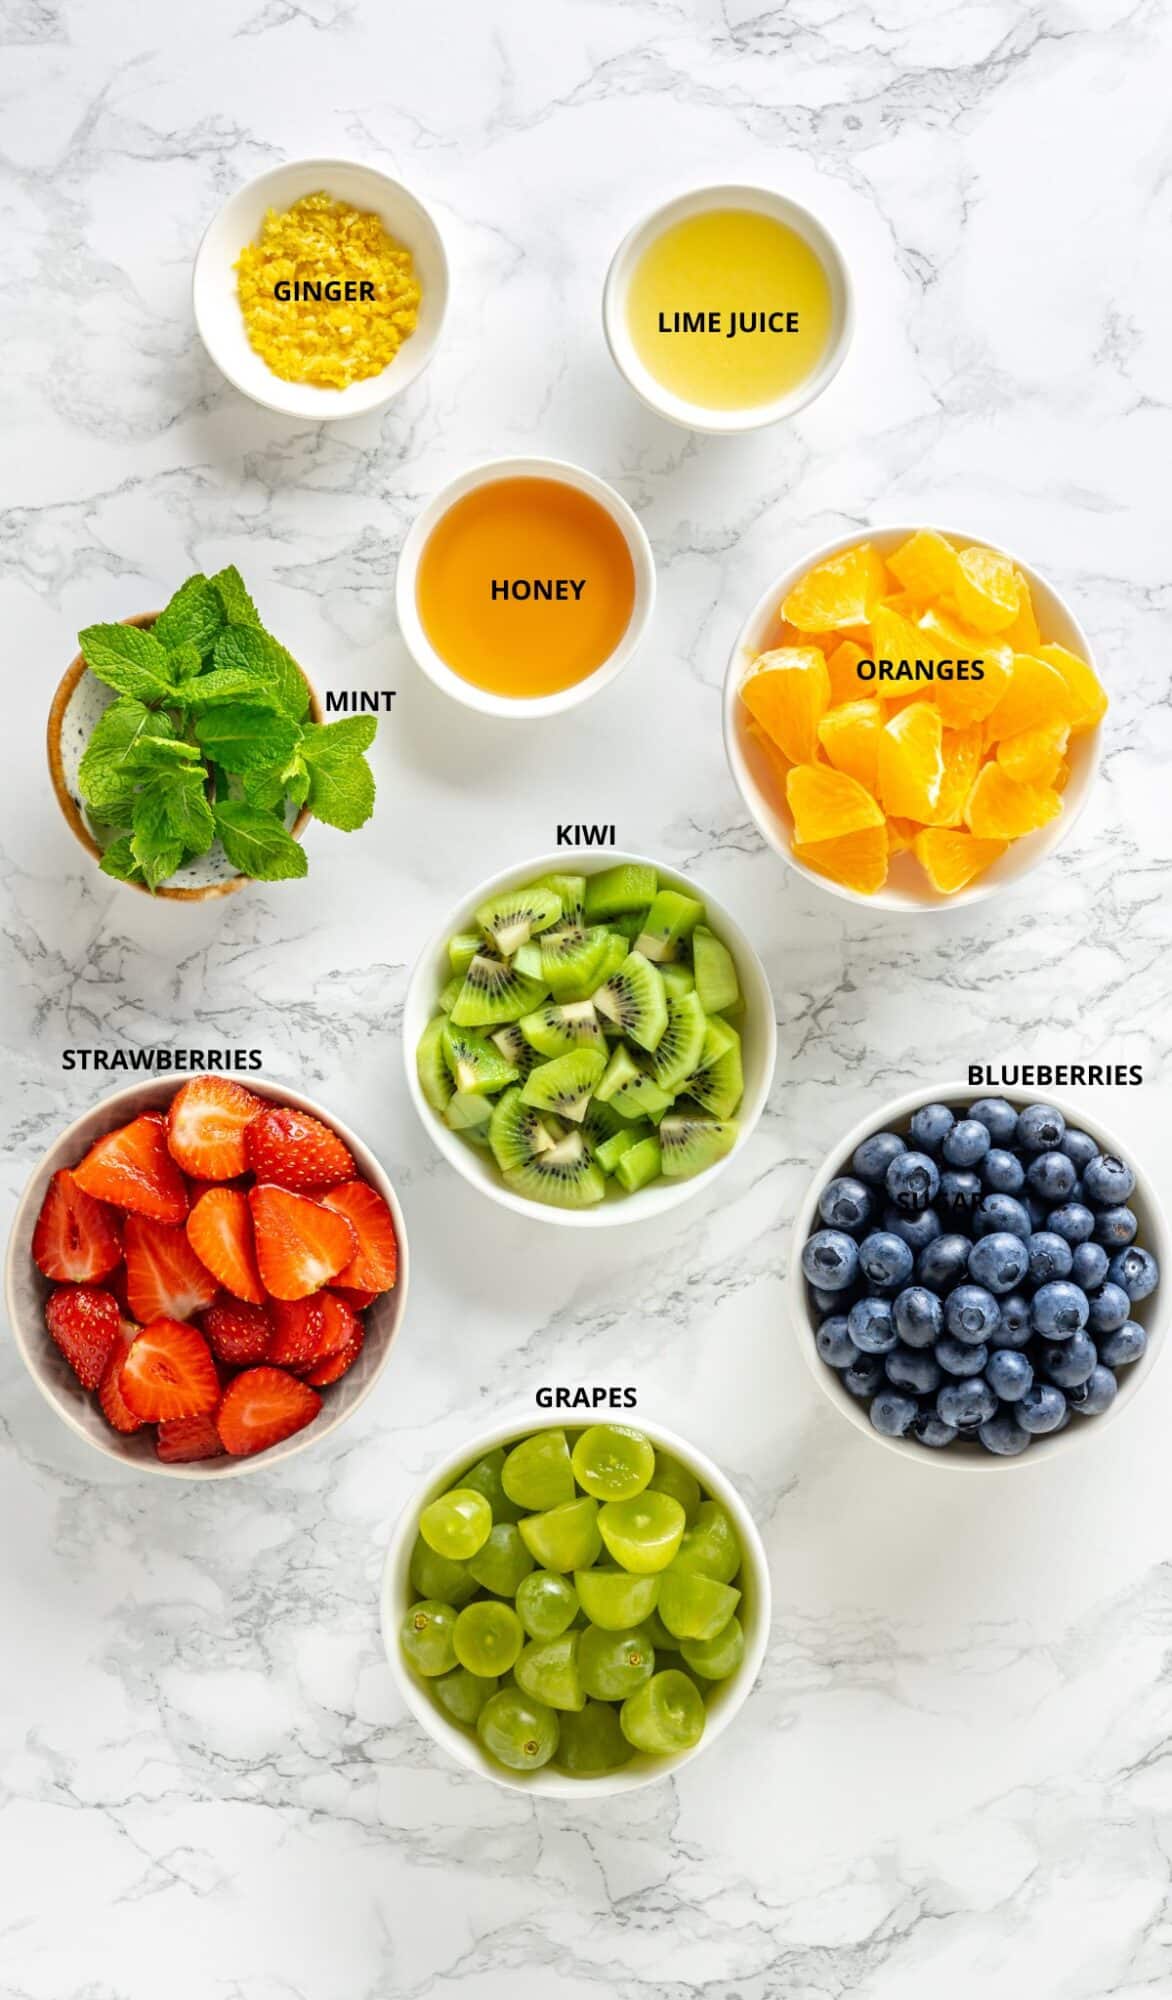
{"points": [[727, 1697], [407, 609], [1152, 1312], [698, 416], [217, 308], [757, 1028], [27, 1291], [906, 888]]}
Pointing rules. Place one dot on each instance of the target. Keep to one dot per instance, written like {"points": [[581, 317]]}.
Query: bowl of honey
{"points": [[524, 587]]}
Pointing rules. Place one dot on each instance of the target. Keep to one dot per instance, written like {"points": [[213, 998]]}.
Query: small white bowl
{"points": [[727, 1697], [907, 888], [27, 1290], [698, 416], [406, 576], [1152, 1312], [217, 307], [758, 1031]]}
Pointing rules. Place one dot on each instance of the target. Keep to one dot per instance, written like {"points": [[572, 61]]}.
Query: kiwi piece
{"points": [[634, 999], [611, 1150], [474, 1063], [450, 993], [677, 980], [435, 1078], [516, 1134], [572, 960], [563, 1086], [630, 925], [511, 919], [670, 918], [641, 1164], [565, 1176], [615, 892], [554, 1030], [601, 1122], [463, 948], [467, 1110], [716, 973], [629, 1089], [718, 1083], [681, 1045], [514, 1048], [494, 992], [570, 891], [689, 1142]]}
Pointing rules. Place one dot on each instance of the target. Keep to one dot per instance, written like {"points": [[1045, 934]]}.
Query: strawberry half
{"points": [[206, 1126], [186, 1438], [115, 1408], [261, 1407], [335, 1366], [299, 1327], [219, 1230], [133, 1169], [375, 1265], [239, 1334], [169, 1372], [84, 1325], [76, 1238], [290, 1149], [300, 1245], [164, 1277], [357, 1301], [341, 1326]]}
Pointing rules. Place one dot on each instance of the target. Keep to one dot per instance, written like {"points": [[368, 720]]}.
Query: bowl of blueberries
{"points": [[979, 1277]]}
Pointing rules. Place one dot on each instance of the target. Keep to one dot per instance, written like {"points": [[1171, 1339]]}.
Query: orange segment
{"points": [[840, 591], [971, 699], [1023, 635], [950, 858], [961, 751], [911, 762], [826, 803], [999, 808], [901, 834], [925, 566], [1037, 697], [849, 734], [858, 860], [1033, 756], [1088, 695], [895, 640], [779, 766], [841, 665], [788, 691], [988, 595]]}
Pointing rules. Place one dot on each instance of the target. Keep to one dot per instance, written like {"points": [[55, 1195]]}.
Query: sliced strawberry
{"points": [[84, 1325], [219, 1230], [116, 1285], [262, 1406], [115, 1408], [290, 1149], [133, 1169], [357, 1301], [376, 1263], [76, 1239], [183, 1439], [164, 1277], [299, 1327], [300, 1245], [169, 1372], [239, 1334], [206, 1126], [334, 1366], [341, 1325]]}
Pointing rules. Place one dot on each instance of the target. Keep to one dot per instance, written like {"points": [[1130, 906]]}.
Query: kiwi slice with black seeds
{"points": [[511, 919], [435, 1078], [718, 1084], [555, 1030], [463, 948], [572, 961], [629, 1089], [563, 1086], [570, 891], [601, 1122], [494, 992], [634, 999], [565, 1176], [517, 1133], [681, 1044], [473, 1063], [514, 1048], [690, 1142], [671, 918]]}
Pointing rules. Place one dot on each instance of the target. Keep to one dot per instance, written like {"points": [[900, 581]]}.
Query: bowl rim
{"points": [[698, 200], [606, 1214], [743, 651], [487, 472], [802, 1322], [20, 1236], [548, 1783]]}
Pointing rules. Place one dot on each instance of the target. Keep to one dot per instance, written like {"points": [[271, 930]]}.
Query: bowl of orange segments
{"points": [[912, 717]]}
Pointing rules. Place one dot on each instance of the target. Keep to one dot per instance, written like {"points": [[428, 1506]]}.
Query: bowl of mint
{"points": [[188, 752]]}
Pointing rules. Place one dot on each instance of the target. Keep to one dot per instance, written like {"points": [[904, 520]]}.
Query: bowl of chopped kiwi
{"points": [[589, 1044]]}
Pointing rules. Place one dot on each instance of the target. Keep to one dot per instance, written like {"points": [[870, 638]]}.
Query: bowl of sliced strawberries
{"points": [[208, 1277]]}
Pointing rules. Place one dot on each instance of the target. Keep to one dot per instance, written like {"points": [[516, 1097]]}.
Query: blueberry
{"points": [[999, 1261], [960, 1190], [1004, 1435], [1059, 1310], [1123, 1346], [1108, 1180], [911, 1181], [913, 1370], [931, 1125], [1094, 1395], [971, 1313], [1042, 1409], [1088, 1266], [870, 1326], [1053, 1176], [998, 1117], [1003, 1172], [966, 1404], [960, 1357], [892, 1413], [967, 1143], [1009, 1373], [1079, 1147], [885, 1258], [943, 1262], [918, 1316], [1115, 1227], [1036, 1209], [830, 1259], [930, 1430], [863, 1376], [1074, 1221], [834, 1343], [1110, 1309], [1050, 1256], [845, 1203], [1041, 1129], [872, 1159], [832, 1302], [1136, 1270], [918, 1230], [1002, 1212], [1015, 1324], [1070, 1363]]}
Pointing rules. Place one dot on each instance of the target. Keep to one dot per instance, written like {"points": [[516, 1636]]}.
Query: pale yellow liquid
{"points": [[731, 261]]}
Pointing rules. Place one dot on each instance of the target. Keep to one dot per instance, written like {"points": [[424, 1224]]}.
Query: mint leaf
{"points": [[128, 659], [341, 786], [183, 663], [253, 651], [243, 736], [257, 844], [175, 807], [123, 736], [192, 618], [347, 738], [225, 684], [157, 851], [271, 788], [118, 860], [229, 587]]}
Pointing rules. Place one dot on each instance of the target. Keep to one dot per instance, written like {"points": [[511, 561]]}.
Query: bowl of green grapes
{"points": [[575, 1609]]}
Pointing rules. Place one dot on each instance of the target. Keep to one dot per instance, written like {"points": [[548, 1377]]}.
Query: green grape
{"points": [[592, 1741], [613, 1664], [548, 1670], [565, 1537], [642, 1534], [537, 1473], [665, 1715], [660, 1637], [503, 1561], [613, 1462], [519, 1732], [694, 1606], [710, 1545], [457, 1524], [672, 1477], [427, 1636], [547, 1605], [715, 1659], [485, 1477], [614, 1599], [488, 1637], [436, 1576], [464, 1694]]}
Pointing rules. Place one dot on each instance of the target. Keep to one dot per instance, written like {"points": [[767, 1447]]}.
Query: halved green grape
{"points": [[665, 1715], [537, 1473], [547, 1605], [711, 1546], [615, 1600], [519, 1732], [565, 1537], [488, 1637], [613, 1664], [457, 1524], [427, 1636], [437, 1576], [592, 1742], [464, 1694], [671, 1477], [485, 1477], [503, 1561], [695, 1606], [548, 1670], [715, 1659], [642, 1534], [660, 1637], [613, 1462]]}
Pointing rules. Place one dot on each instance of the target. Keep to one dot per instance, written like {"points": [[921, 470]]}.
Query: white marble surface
{"points": [[955, 1776]]}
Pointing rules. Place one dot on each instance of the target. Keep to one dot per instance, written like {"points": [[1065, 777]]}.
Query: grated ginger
{"points": [[363, 298]]}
